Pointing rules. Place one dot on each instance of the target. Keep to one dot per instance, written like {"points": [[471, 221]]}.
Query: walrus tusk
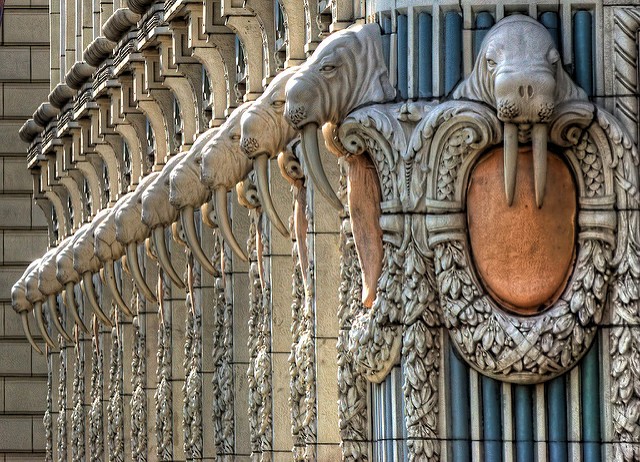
{"points": [[90, 293], [164, 260], [539, 142], [53, 308], [37, 308], [311, 153], [510, 160], [110, 279], [70, 302], [260, 165], [136, 272], [188, 220], [27, 332], [223, 223]]}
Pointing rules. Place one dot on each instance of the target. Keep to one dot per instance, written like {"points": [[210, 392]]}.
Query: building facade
{"points": [[452, 274]]}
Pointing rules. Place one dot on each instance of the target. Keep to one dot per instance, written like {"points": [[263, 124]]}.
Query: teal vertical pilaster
{"points": [[484, 22], [590, 389], [583, 50], [389, 424], [403, 56], [385, 25], [425, 55], [460, 408], [492, 419], [523, 406], [549, 19], [452, 50], [557, 419]]}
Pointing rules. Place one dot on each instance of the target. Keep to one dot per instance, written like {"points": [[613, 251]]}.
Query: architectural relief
{"points": [[474, 206]]}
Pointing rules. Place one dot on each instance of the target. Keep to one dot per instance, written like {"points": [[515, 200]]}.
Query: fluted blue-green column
{"points": [[403, 55], [557, 418], [583, 50], [549, 19], [425, 55], [385, 25], [492, 419], [460, 408], [484, 22], [452, 50], [523, 406], [590, 388]]}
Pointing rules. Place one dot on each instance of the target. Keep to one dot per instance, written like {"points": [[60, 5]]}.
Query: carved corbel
{"points": [[66, 179], [185, 82], [213, 45], [254, 19], [130, 124], [294, 25], [89, 167]]}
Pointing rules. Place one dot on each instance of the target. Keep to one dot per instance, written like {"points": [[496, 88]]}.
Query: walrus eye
{"points": [[491, 63], [277, 103], [327, 68], [235, 137]]}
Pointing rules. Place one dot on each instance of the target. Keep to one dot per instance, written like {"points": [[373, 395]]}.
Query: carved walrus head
{"points": [[346, 71], [518, 72]]}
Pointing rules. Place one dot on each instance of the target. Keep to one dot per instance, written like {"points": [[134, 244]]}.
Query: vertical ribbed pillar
{"points": [[425, 55], [549, 19], [492, 419], [460, 427], [557, 415], [523, 404], [403, 53], [452, 50], [484, 22], [591, 405], [583, 50]]}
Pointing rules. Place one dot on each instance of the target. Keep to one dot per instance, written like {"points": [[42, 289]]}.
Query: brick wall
{"points": [[24, 84]]}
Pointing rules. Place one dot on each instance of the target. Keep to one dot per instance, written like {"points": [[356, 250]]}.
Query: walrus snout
{"points": [[525, 98]]}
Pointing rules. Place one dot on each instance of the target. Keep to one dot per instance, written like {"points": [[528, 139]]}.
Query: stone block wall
{"points": [[24, 84]]}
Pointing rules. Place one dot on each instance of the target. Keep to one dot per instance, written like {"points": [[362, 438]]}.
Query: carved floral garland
{"points": [[96, 439]]}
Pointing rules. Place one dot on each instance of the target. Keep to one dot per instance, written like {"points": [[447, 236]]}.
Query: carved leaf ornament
{"points": [[425, 155]]}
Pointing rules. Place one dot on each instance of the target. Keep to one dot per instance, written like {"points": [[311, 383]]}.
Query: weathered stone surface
{"points": [[522, 253]]}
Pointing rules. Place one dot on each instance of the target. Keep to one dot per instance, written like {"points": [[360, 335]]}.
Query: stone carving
{"points": [[524, 81], [22, 306], [192, 388], [223, 166], [259, 344], [130, 230], [186, 193], [36, 298], [138, 400], [86, 263], [163, 395], [352, 386], [346, 71], [77, 401], [223, 419], [626, 24], [108, 249], [115, 406], [47, 420], [265, 134], [96, 419], [49, 286], [61, 421]]}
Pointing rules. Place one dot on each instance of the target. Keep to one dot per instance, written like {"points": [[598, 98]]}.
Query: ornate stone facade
{"points": [[359, 321]]}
